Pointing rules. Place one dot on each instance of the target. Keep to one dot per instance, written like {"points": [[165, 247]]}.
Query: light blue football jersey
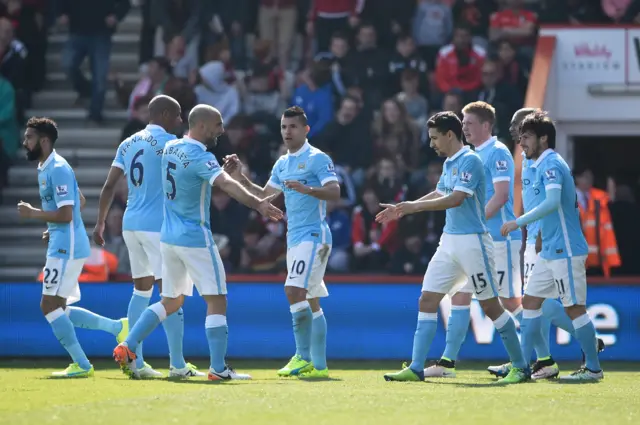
{"points": [[140, 157], [188, 173], [562, 235], [464, 172], [530, 199], [58, 188], [499, 167], [306, 215]]}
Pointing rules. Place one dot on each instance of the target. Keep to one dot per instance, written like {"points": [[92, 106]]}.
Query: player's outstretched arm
{"points": [[104, 203], [546, 207], [431, 195], [233, 167], [242, 195], [64, 214], [436, 203], [328, 192]]}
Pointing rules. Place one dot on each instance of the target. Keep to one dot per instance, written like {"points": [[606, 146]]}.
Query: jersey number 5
{"points": [[136, 166], [171, 195]]}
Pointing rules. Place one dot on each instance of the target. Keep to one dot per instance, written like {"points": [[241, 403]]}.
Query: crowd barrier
{"points": [[368, 318]]}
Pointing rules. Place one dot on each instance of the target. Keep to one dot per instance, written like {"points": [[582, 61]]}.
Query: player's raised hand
{"points": [[508, 227], [297, 186], [45, 236], [396, 211], [25, 209], [388, 214], [232, 165], [268, 210], [98, 232]]}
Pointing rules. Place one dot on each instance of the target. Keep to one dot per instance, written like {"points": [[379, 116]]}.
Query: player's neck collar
{"points": [[542, 156], [457, 154], [154, 127], [302, 149], [191, 141], [47, 161], [485, 143]]}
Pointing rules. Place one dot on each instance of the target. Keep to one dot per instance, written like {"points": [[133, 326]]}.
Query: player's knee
{"points": [[492, 308], [315, 304], [49, 304], [143, 283], [511, 304], [462, 298], [294, 294], [429, 302], [171, 305], [531, 303], [575, 311]]}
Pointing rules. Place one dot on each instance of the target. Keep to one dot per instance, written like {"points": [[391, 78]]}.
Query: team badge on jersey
{"points": [[550, 174], [454, 171], [465, 177], [62, 190], [501, 165], [302, 166]]}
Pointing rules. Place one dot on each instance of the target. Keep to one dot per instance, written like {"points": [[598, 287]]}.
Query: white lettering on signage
{"points": [[604, 317]]}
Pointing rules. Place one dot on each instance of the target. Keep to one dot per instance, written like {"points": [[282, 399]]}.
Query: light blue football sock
{"points": [[586, 336], [86, 319], [545, 331], [217, 335], [457, 328], [148, 321], [542, 344], [319, 341], [530, 331], [174, 328], [66, 334], [506, 327], [422, 339], [302, 318], [554, 311], [138, 303]]}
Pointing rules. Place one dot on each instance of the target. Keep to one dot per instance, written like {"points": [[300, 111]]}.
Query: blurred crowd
{"points": [[367, 72]]}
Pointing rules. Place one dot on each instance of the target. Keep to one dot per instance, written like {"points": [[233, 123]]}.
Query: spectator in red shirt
{"points": [[372, 242], [459, 64], [514, 23]]}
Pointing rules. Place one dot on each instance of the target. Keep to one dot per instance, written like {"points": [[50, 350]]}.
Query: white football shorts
{"points": [[565, 278], [144, 253], [462, 258], [507, 260], [182, 267], [306, 265], [530, 259], [61, 278]]}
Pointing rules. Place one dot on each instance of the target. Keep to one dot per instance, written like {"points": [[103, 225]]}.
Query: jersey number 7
{"points": [[171, 195]]}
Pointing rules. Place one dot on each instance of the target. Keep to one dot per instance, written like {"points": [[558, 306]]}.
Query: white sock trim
{"points": [[55, 314], [159, 310], [531, 314], [427, 316], [517, 311], [460, 307], [293, 308], [318, 314], [67, 311], [581, 321], [502, 320], [215, 321], [143, 294]]}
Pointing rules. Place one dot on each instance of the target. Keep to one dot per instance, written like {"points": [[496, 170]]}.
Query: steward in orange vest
{"points": [[596, 225]]}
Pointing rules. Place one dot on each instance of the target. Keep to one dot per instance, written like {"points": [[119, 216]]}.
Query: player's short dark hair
{"points": [[484, 111], [540, 124], [296, 112], [446, 121], [44, 127]]}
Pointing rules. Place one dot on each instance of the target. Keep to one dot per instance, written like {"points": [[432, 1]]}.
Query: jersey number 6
{"points": [[171, 195], [136, 166]]}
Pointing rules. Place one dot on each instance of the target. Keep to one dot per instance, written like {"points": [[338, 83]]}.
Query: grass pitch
{"points": [[356, 394]]}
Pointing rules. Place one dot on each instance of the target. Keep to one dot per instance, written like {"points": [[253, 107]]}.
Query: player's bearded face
{"points": [[35, 152]]}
